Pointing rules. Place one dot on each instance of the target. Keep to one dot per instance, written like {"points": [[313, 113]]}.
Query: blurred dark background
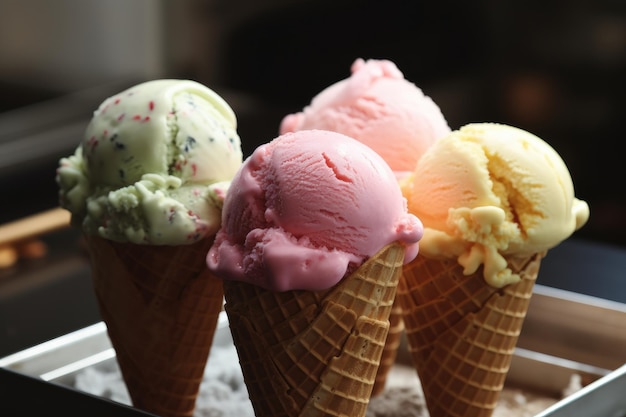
{"points": [[555, 68]]}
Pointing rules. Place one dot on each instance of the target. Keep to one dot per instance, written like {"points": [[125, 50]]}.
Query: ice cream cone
{"points": [[390, 351], [160, 305], [462, 332], [315, 353]]}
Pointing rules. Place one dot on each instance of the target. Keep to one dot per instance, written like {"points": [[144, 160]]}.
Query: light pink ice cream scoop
{"points": [[379, 107], [308, 208]]}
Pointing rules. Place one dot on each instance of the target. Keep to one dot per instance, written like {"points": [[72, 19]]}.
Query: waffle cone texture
{"points": [[315, 353], [390, 351], [161, 305], [462, 332]]}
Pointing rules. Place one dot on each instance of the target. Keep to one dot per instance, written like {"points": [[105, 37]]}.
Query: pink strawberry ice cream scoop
{"points": [[377, 106], [308, 208]]}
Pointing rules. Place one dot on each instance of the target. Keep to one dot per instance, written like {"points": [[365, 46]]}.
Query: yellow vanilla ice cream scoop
{"points": [[154, 165], [488, 191]]}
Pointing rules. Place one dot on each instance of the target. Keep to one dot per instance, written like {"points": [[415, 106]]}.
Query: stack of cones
{"points": [[161, 305], [315, 353], [462, 332]]}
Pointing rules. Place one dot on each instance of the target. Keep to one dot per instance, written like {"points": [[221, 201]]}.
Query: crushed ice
{"points": [[222, 392]]}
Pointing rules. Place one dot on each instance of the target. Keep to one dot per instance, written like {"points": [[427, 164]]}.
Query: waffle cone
{"points": [[160, 305], [390, 351], [462, 332], [315, 353]]}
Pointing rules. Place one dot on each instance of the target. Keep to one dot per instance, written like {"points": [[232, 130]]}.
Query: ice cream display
{"points": [[146, 186], [314, 234], [377, 106], [493, 200]]}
